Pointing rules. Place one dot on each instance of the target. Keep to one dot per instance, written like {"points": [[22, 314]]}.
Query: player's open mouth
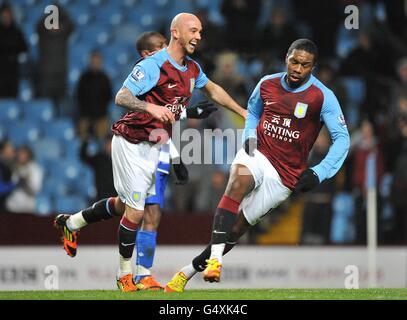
{"points": [[294, 77], [193, 44]]}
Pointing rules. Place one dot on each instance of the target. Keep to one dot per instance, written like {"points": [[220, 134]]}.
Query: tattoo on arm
{"points": [[126, 99]]}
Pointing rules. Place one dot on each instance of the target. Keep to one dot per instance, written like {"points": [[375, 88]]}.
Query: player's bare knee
{"points": [[133, 215], [119, 206], [239, 184]]}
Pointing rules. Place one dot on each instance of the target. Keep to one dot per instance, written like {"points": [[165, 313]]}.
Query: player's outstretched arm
{"points": [[254, 112], [221, 97], [125, 99], [334, 120]]}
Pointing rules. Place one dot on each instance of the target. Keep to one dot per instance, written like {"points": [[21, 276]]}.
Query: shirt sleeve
{"points": [[143, 77], [202, 79], [254, 112], [334, 120]]}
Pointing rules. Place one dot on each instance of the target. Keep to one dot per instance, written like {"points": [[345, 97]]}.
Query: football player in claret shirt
{"points": [[147, 44], [285, 114], [156, 93]]}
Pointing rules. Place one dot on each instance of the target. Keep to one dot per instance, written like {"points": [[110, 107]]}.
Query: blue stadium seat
{"points": [[23, 132], [95, 34], [79, 54], [25, 90], [72, 149], [110, 15], [47, 149], [115, 112], [44, 204], [70, 204], [9, 110], [56, 187], [355, 88], [61, 129], [86, 184], [38, 110], [3, 132], [67, 170]]}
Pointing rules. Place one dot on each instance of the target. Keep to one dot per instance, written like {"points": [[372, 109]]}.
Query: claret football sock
{"points": [[127, 237], [224, 219], [101, 210]]}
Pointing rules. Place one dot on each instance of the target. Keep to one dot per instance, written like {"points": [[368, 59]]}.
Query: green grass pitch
{"points": [[221, 294]]}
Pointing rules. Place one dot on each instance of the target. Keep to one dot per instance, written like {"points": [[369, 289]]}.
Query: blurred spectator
{"points": [[94, 92], [209, 45], [12, 43], [364, 143], [327, 74], [101, 164], [27, 175], [53, 58], [212, 191], [277, 35], [400, 88], [324, 18], [316, 221], [396, 11], [241, 22], [359, 64], [399, 184], [7, 156], [227, 76], [360, 60]]}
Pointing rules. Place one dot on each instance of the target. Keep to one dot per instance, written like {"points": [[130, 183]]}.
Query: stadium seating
{"points": [[70, 204], [46, 149], [40, 110], [9, 110], [23, 133], [44, 204], [61, 129]]}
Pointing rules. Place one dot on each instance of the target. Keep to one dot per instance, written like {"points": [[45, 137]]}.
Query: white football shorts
{"points": [[268, 192], [134, 167]]}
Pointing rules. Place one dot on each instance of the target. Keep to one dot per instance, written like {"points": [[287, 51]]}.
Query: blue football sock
{"points": [[146, 242]]}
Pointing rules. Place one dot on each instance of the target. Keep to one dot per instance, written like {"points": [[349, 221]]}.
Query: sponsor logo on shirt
{"points": [[177, 106], [279, 128]]}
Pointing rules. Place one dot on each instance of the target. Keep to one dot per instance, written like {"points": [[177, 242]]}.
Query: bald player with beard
{"points": [[155, 93]]}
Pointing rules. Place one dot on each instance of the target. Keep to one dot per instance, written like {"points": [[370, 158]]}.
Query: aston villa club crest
{"points": [[300, 110], [191, 84], [136, 196]]}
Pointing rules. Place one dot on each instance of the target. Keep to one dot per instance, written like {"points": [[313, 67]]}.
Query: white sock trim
{"points": [[189, 271], [125, 267], [76, 222], [217, 251], [142, 271]]}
